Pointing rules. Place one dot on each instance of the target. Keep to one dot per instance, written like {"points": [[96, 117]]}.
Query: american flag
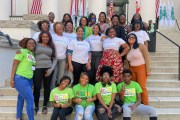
{"points": [[138, 6], [36, 7], [157, 8], [111, 9]]}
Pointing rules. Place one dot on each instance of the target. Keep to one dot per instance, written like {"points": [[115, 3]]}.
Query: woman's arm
{"points": [[67, 105], [101, 101], [14, 67], [126, 49], [112, 100], [70, 62], [94, 98]]}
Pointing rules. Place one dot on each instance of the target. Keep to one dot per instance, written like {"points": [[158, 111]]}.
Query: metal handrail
{"points": [[177, 25], [174, 44]]}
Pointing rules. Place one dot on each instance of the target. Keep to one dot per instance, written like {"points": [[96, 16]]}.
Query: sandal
{"points": [[44, 110], [36, 109]]}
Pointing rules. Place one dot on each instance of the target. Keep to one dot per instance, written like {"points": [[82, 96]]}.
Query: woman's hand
{"points": [[88, 100], [63, 106], [78, 100], [48, 72], [109, 113], [88, 65], [71, 68], [12, 83], [148, 73], [104, 37]]}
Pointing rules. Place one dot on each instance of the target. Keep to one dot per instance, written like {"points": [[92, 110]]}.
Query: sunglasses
{"points": [[104, 84]]}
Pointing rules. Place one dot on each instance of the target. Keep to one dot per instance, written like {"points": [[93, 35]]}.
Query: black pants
{"points": [[39, 76], [102, 113], [78, 68], [61, 112], [96, 57]]}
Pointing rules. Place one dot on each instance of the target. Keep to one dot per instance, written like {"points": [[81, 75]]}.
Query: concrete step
{"points": [[164, 58], [165, 76], [163, 92], [8, 113], [152, 54], [164, 63], [162, 69], [163, 83]]}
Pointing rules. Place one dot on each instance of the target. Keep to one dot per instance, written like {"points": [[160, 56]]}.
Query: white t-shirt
{"points": [[36, 36], [80, 50], [61, 44], [142, 36], [70, 36], [113, 43], [51, 29]]}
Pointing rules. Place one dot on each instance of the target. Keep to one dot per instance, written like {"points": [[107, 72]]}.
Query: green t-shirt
{"points": [[106, 92], [27, 61], [61, 97], [131, 91], [84, 92]]}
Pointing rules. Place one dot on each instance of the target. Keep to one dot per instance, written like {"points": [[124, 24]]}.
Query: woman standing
{"points": [[45, 64], [102, 22], [138, 58], [84, 97], [61, 98], [66, 17], [106, 92], [79, 56], [87, 30], [43, 26], [96, 51], [51, 17], [92, 19], [61, 44], [21, 76], [111, 56]]}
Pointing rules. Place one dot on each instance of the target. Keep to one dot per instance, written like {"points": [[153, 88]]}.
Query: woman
{"points": [[45, 64], [102, 22], [96, 51], [106, 92], [122, 22], [66, 17], [69, 31], [21, 76], [87, 30], [43, 26], [92, 19], [79, 56], [138, 58], [111, 56], [84, 97], [61, 44], [142, 36], [51, 17], [61, 98]]}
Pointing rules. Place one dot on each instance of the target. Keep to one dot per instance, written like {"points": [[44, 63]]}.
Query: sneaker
{"points": [[44, 110], [36, 109]]}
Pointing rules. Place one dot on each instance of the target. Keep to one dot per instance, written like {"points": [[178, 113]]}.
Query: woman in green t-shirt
{"points": [[61, 98], [21, 77], [106, 92], [84, 97]]}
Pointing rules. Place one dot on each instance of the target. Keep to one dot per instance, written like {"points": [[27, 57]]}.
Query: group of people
{"points": [[89, 65]]}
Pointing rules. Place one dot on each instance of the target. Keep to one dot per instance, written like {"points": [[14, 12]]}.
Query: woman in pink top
{"points": [[138, 58], [102, 22]]}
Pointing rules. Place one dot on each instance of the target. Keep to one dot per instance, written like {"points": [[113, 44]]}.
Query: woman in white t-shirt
{"points": [[51, 17], [61, 44], [79, 56], [96, 51], [111, 57], [142, 36]]}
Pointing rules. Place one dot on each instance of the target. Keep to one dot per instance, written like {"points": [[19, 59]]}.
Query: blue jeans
{"points": [[84, 112], [24, 88], [61, 113]]}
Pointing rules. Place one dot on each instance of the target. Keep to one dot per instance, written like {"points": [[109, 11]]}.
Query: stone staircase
{"points": [[163, 86]]}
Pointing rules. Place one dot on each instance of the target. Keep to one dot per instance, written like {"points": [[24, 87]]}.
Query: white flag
{"points": [[169, 14], [86, 8], [161, 14], [172, 15], [73, 11]]}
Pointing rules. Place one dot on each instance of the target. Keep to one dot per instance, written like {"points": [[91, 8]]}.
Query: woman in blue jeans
{"points": [[21, 77]]}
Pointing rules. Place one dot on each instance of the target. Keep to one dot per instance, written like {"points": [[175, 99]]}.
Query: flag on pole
{"points": [[169, 14], [138, 6], [111, 9], [73, 11], [165, 15], [157, 8], [36, 7], [161, 14], [86, 8], [172, 15]]}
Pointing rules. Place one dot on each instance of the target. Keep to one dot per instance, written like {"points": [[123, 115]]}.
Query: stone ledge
{"points": [[4, 43], [35, 17], [18, 24]]}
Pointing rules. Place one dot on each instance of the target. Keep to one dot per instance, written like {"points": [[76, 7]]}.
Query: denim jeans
{"points": [[61, 113], [84, 112], [24, 88]]}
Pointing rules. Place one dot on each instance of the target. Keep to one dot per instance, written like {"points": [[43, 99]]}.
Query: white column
{"points": [[148, 10], [64, 7], [5, 9], [50, 6], [131, 9], [21, 7], [97, 6]]}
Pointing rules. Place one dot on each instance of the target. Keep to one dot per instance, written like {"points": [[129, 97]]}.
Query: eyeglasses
{"points": [[104, 84], [131, 38]]}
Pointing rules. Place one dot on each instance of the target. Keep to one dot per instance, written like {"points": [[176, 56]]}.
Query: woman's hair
{"points": [[87, 22], [132, 20], [50, 43], [51, 14], [56, 23], [41, 22], [107, 69], [65, 78], [24, 41], [98, 28], [127, 71], [109, 29], [84, 74], [115, 16], [137, 22], [122, 14], [79, 28], [63, 20], [90, 16], [104, 16], [69, 21], [136, 45]]}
